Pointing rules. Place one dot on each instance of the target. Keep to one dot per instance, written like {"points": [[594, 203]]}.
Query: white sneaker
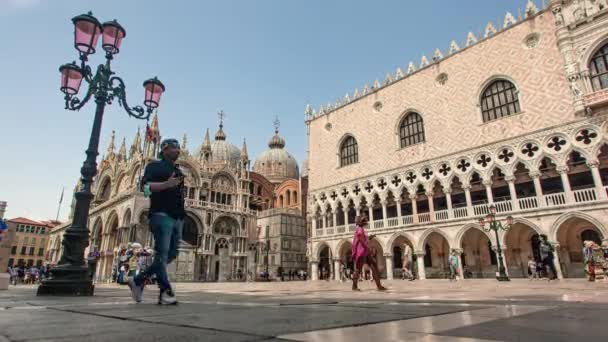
{"points": [[137, 292], [167, 297]]}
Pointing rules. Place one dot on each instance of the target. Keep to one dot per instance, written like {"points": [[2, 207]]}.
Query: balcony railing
{"points": [[424, 217], [504, 206], [461, 212], [528, 203], [552, 200], [585, 195], [393, 221], [442, 215]]}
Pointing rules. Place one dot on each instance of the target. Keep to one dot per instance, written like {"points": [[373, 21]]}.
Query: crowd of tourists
{"points": [[27, 275]]}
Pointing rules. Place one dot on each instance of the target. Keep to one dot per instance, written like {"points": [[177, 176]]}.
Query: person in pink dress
{"points": [[362, 256]]}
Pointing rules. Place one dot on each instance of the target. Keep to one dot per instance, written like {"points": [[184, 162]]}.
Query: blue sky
{"points": [[253, 59]]}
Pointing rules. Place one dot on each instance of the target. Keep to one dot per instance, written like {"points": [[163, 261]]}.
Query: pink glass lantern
{"points": [[113, 33], [71, 77], [509, 220], [86, 33], [154, 89]]}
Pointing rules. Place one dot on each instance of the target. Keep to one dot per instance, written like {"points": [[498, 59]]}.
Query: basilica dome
{"points": [[221, 151], [276, 164]]}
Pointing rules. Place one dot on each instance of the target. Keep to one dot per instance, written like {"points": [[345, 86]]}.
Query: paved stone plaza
{"points": [[473, 310]]}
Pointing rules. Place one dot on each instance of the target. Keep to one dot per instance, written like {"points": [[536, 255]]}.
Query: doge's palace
{"points": [[515, 118]]}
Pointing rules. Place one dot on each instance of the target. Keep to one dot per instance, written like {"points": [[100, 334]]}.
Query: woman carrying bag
{"points": [[362, 256]]}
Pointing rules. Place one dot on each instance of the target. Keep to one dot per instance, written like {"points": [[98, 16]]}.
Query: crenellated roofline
{"points": [[531, 11]]}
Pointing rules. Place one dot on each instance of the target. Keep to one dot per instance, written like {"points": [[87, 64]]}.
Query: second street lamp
{"points": [[494, 225], [69, 277]]}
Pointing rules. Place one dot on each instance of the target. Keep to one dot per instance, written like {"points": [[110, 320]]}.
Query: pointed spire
{"points": [[531, 9], [411, 68], [490, 30], [308, 110], [220, 135], [376, 84], [438, 55], [244, 154], [388, 79], [184, 146], [136, 145], [454, 47], [471, 39], [356, 95], [509, 20], [346, 98], [111, 146], [366, 89], [424, 62], [206, 147], [154, 125], [122, 152], [399, 74]]}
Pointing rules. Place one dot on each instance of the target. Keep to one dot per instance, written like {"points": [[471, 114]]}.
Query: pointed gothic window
{"points": [[411, 130], [499, 100], [349, 151], [599, 69]]}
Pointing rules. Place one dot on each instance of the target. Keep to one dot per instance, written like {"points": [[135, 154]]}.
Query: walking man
{"points": [[546, 254], [163, 182]]}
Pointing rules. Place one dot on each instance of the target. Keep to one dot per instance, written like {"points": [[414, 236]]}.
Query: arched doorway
{"points": [[225, 228], [110, 260], [478, 258], [437, 250], [345, 255], [325, 263], [403, 253], [570, 236], [521, 243]]}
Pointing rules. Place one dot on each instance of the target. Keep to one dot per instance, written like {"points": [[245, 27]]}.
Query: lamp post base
{"points": [[503, 278], [67, 281]]}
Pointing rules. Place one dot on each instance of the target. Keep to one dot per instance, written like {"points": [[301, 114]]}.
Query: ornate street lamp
{"points": [[69, 277], [495, 225]]}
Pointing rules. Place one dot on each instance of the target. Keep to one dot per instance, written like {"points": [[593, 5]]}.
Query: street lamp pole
{"points": [[494, 225], [69, 277]]}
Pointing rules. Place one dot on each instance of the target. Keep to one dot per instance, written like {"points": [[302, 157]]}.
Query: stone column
{"points": [[420, 262], [313, 222], [334, 213], [597, 179], [467, 195], [384, 218], [398, 202], [325, 220], [314, 270], [337, 269], [429, 198], [370, 211], [514, 202], [563, 173], [448, 198], [414, 208], [389, 266], [488, 185], [346, 217], [538, 189], [557, 263]]}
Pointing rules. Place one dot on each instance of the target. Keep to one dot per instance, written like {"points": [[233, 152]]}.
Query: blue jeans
{"points": [[167, 234]]}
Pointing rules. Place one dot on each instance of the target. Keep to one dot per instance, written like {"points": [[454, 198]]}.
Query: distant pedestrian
{"points": [[532, 273], [453, 263]]}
